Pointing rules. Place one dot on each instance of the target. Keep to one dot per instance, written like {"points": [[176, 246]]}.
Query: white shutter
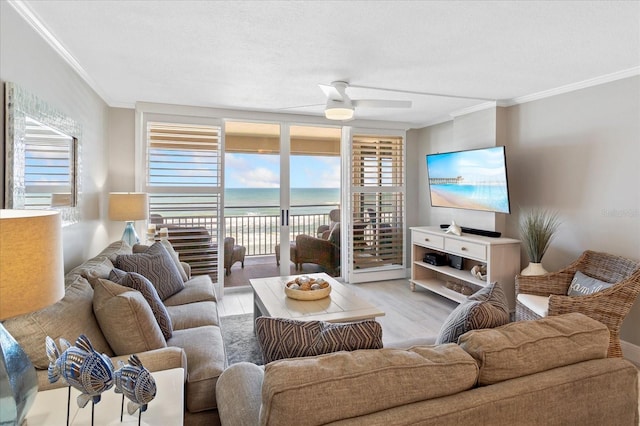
{"points": [[377, 204], [184, 180]]}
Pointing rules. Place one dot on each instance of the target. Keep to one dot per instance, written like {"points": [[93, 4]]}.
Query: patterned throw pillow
{"points": [[284, 338], [144, 286], [157, 266], [486, 308]]}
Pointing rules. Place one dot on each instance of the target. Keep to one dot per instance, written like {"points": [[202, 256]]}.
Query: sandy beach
{"points": [[443, 199]]}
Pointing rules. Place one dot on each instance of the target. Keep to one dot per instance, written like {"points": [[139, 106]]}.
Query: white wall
{"points": [[27, 60], [576, 153]]}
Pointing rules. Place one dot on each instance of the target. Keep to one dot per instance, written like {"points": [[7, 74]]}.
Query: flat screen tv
{"points": [[474, 179]]}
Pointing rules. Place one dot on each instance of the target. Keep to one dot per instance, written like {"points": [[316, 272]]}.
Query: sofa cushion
{"points": [[194, 314], [528, 347], [126, 319], [343, 385], [198, 289], [584, 285], [144, 286], [156, 265], [68, 318], [206, 359], [115, 248], [97, 267], [285, 338], [486, 308]]}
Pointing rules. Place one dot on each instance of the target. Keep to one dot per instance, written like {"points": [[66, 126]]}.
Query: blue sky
{"points": [[263, 171]]}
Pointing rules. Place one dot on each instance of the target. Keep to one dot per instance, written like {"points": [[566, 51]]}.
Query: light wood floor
{"points": [[408, 314]]}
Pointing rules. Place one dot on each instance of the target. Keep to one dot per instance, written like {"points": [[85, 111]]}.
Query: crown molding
{"points": [[475, 108], [607, 78], [36, 23]]}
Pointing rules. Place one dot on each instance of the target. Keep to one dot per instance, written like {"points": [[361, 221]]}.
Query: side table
{"points": [[50, 407]]}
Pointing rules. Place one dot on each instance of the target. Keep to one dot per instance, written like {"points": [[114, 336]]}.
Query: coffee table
{"points": [[342, 305]]}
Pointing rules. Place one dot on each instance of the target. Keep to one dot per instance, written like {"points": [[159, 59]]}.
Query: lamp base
{"points": [[129, 235], [18, 381]]}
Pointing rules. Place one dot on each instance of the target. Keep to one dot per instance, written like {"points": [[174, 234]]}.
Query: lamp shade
{"points": [[31, 257], [339, 110], [128, 206]]}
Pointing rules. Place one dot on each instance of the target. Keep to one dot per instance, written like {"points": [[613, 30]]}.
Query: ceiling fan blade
{"points": [[380, 103], [331, 92], [301, 106]]}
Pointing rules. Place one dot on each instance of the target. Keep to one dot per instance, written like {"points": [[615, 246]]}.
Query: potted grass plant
{"points": [[536, 230]]}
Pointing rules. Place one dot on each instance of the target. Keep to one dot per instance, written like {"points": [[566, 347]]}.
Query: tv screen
{"points": [[474, 179]]}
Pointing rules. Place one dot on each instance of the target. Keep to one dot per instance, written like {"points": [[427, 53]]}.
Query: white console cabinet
{"points": [[500, 255]]}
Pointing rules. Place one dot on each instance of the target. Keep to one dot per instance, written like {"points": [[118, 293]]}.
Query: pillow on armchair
{"points": [[487, 308], [284, 338]]}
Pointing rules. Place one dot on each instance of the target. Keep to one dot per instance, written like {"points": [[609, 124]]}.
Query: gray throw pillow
{"points": [[487, 308], [144, 286], [157, 266], [584, 285], [285, 338]]}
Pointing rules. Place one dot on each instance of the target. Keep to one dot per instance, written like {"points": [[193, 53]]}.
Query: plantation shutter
{"points": [[377, 206], [184, 181], [49, 177]]}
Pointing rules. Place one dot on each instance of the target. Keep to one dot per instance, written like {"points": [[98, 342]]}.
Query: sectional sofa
{"points": [[125, 325], [552, 371]]}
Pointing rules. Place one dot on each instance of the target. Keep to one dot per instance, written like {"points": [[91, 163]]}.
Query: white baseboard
{"points": [[631, 352]]}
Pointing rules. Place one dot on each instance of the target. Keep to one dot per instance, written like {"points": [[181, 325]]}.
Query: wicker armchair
{"points": [[319, 251], [609, 306], [232, 253]]}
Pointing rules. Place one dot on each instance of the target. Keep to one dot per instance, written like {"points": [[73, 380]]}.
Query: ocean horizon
{"points": [[266, 201]]}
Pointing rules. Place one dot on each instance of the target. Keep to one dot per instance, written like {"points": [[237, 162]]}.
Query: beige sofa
{"points": [[546, 372], [195, 345]]}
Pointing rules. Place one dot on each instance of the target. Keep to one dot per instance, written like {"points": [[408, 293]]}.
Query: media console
{"points": [[501, 256]]}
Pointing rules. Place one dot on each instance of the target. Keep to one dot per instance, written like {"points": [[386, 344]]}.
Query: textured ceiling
{"points": [[270, 56]]}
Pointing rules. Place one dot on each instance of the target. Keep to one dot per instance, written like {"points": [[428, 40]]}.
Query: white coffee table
{"points": [[342, 305], [167, 408]]}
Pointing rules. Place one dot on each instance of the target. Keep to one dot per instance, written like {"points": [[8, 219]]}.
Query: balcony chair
{"points": [[320, 251], [543, 295], [232, 253], [334, 218]]}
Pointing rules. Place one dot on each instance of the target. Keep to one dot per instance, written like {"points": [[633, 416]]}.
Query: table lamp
{"points": [[32, 278], [128, 207]]}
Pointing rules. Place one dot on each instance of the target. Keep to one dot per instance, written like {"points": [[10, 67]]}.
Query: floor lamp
{"points": [[128, 207], [32, 278]]}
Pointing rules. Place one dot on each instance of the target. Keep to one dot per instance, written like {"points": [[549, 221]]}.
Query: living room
{"points": [[571, 148]]}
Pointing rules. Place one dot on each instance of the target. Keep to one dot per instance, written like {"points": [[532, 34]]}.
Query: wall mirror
{"points": [[42, 156]]}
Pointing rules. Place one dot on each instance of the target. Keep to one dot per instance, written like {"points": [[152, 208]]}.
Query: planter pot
{"points": [[534, 269]]}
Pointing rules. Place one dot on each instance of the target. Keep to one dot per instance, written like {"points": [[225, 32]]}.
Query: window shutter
{"points": [[184, 179], [377, 201]]}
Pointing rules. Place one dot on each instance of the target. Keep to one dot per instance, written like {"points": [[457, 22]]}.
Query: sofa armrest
{"points": [[158, 359], [239, 394], [187, 269]]}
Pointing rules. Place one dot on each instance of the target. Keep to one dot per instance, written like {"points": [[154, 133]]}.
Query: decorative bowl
{"points": [[301, 288]]}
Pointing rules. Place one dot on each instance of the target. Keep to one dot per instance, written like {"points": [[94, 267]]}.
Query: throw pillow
{"points": [[144, 286], [486, 308], [285, 338], [157, 266], [584, 285], [126, 319]]}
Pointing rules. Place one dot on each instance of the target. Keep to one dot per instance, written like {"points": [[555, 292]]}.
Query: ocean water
{"points": [[266, 201]]}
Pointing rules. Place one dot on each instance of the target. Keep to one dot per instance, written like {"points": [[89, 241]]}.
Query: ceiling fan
{"points": [[341, 107]]}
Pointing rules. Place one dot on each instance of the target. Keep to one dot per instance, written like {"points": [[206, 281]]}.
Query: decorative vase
{"points": [[534, 269]]}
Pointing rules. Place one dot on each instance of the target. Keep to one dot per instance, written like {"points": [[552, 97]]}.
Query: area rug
{"points": [[240, 341]]}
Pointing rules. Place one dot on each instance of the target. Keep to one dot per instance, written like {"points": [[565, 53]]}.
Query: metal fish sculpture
{"points": [[136, 383], [81, 367]]}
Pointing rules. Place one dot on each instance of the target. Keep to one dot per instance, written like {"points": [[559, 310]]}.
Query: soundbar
{"points": [[484, 233]]}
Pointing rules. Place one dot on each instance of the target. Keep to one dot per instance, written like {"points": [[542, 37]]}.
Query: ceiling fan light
{"points": [[338, 110]]}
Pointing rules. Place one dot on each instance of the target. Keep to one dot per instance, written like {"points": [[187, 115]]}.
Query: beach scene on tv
{"points": [[475, 180]]}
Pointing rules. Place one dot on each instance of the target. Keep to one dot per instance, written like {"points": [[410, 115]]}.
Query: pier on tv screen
{"points": [[474, 179]]}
